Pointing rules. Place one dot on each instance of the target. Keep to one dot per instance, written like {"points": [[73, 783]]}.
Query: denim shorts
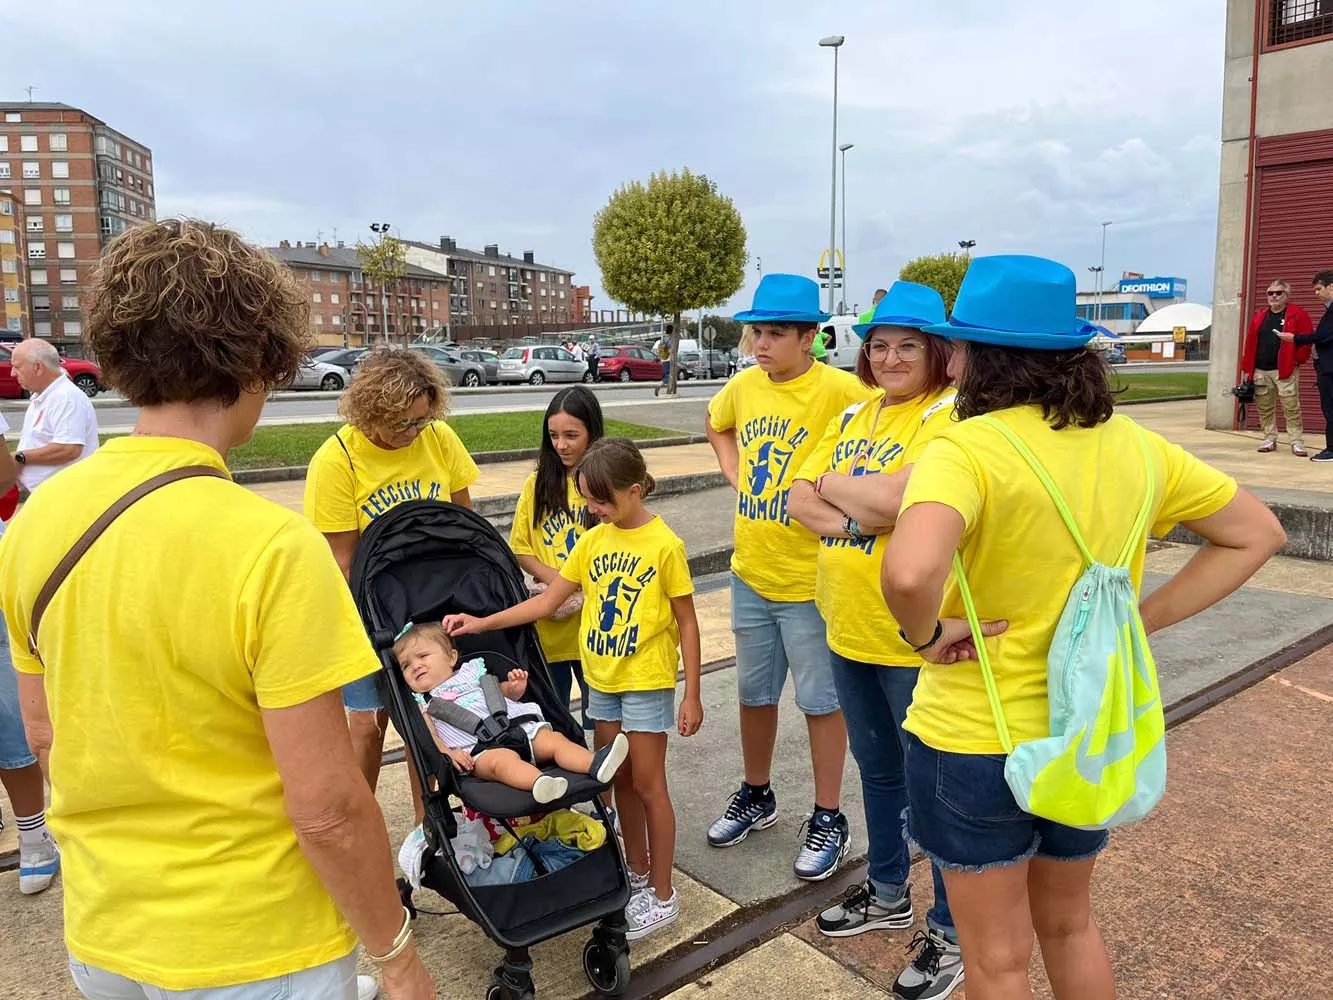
{"points": [[773, 637], [963, 816], [636, 711], [14, 752], [362, 695], [331, 981]]}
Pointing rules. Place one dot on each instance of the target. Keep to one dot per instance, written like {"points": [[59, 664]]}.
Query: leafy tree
{"points": [[383, 263], [670, 246], [727, 329], [942, 272]]}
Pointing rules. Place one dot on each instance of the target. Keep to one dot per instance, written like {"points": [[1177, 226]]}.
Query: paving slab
{"points": [[1225, 891], [784, 967]]}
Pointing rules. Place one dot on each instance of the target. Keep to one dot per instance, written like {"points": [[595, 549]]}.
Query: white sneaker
{"points": [[646, 913], [38, 866], [367, 988], [548, 788]]}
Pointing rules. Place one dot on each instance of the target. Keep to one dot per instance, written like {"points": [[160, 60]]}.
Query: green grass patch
{"points": [[280, 445], [1159, 385]]}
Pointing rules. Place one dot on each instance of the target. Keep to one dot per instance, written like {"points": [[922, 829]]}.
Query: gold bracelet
{"points": [[400, 941]]}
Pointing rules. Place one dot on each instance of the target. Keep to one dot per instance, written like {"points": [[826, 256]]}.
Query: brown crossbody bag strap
{"points": [[95, 530]]}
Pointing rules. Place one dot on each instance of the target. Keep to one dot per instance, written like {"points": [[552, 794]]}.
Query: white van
{"points": [[842, 343]]}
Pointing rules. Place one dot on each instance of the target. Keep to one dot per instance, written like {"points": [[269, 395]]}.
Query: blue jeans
{"points": [[874, 703], [331, 981], [964, 817], [14, 752]]}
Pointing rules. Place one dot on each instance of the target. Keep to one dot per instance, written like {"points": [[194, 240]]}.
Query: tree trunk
{"points": [[674, 348]]}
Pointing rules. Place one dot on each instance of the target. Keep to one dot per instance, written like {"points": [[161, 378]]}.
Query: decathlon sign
{"points": [[1154, 288]]}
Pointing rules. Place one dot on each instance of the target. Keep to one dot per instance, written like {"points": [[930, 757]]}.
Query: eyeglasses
{"points": [[878, 350], [411, 425], [1274, 293]]}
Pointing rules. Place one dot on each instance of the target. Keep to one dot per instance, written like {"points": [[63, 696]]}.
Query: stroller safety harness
{"points": [[496, 731]]}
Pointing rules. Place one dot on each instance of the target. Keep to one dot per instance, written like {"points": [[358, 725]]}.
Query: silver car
{"points": [[320, 375], [459, 371], [488, 360], [540, 364]]}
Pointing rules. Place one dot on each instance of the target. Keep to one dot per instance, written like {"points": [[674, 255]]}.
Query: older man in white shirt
{"points": [[60, 425]]}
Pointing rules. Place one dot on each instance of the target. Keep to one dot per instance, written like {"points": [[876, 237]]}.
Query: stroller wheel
{"points": [[607, 968]]}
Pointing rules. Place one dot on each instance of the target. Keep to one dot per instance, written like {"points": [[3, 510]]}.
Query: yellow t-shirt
{"points": [[200, 605], [351, 480], [1020, 559], [630, 638], [777, 425], [866, 439], [550, 543]]}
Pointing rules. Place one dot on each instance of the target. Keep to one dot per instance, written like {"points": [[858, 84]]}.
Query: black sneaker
{"points": [[1324, 456], [935, 972], [863, 911]]}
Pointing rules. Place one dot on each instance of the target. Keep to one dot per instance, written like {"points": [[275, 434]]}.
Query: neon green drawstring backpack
{"points": [[1104, 763]]}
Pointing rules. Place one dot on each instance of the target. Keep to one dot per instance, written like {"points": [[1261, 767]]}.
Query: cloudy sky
{"points": [[1022, 125]]}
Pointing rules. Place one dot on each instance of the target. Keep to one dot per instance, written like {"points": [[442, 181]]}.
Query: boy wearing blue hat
{"points": [[762, 425]]}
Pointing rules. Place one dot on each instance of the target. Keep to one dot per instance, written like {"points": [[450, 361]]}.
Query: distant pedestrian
{"points": [[662, 351], [869, 314], [60, 425], [218, 838], [594, 355], [576, 349], [1322, 340], [1273, 364], [20, 774], [395, 447]]}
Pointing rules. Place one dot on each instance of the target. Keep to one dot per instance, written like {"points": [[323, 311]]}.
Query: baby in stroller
{"points": [[480, 724]]}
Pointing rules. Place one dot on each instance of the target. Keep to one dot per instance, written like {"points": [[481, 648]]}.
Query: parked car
{"points": [[320, 375], [629, 364], [1116, 356], [86, 375], [540, 364], [459, 371], [702, 364], [488, 360], [343, 357]]}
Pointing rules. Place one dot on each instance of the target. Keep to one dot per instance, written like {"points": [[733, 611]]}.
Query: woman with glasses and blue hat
{"points": [[763, 425], [395, 447], [1031, 397], [848, 493]]}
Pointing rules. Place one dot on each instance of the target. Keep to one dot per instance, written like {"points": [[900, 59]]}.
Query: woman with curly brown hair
{"points": [[394, 447], [218, 836], [1032, 397]]}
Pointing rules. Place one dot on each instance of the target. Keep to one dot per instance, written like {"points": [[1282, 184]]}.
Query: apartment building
{"points": [[489, 288], [12, 273], [1277, 172], [346, 309], [77, 183]]}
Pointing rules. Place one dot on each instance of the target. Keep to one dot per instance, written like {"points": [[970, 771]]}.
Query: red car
{"points": [[629, 364], [86, 375]]}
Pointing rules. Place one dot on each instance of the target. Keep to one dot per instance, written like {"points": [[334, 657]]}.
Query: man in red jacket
{"points": [[1272, 362]]}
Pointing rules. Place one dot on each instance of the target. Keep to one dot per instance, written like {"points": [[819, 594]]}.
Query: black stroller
{"points": [[425, 559]]}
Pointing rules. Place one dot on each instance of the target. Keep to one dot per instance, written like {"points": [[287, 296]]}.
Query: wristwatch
{"points": [[21, 458]]}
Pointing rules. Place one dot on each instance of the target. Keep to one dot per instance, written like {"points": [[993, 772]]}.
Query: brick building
{"points": [[345, 309], [492, 289], [582, 303], [78, 183]]}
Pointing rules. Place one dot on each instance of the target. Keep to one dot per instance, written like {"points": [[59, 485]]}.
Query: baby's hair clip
{"points": [[404, 630]]}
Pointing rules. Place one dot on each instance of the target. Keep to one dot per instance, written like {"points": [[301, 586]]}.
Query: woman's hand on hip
{"points": [[955, 644]]}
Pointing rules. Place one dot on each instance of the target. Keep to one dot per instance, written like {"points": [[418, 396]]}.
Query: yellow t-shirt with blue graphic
{"points": [[1021, 560], [630, 640], [352, 481], [868, 439], [777, 425], [550, 543]]}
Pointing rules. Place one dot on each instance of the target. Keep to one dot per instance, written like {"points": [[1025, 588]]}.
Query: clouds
{"points": [[1022, 125]]}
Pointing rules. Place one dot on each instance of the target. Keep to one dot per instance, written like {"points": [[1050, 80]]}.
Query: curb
{"points": [[288, 473], [1159, 399]]}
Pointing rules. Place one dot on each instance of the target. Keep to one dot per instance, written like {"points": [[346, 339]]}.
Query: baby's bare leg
{"points": [[549, 745], [506, 767]]}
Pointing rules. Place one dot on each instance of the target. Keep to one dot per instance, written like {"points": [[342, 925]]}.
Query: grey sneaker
{"points": [[827, 842], [745, 812], [935, 972], [863, 911]]}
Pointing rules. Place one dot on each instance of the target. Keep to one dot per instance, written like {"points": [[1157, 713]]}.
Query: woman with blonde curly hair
{"points": [[394, 447], [218, 836]]}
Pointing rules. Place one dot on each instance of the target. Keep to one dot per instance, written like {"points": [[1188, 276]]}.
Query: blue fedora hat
{"points": [[784, 298], [905, 304], [1017, 301]]}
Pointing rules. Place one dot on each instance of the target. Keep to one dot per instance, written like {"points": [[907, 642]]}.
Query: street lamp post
{"points": [[833, 42], [381, 229], [1097, 292], [966, 246], [843, 150], [1101, 269]]}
